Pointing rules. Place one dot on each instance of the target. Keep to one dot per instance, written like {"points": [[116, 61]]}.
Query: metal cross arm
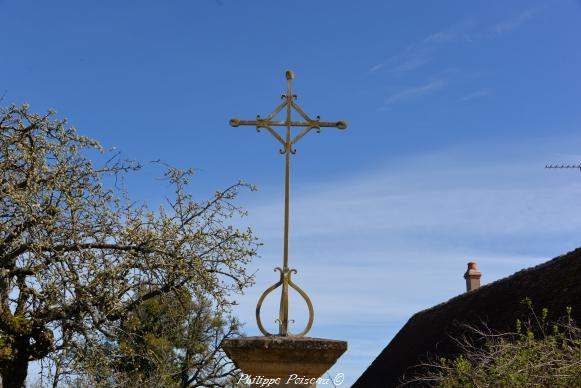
{"points": [[268, 123], [264, 123], [287, 142]]}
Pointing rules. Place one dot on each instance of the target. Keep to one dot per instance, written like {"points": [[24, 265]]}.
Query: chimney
{"points": [[472, 277]]}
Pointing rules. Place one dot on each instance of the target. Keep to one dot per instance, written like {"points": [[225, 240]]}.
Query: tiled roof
{"points": [[555, 284]]}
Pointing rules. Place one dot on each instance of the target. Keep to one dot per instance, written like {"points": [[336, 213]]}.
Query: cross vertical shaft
{"points": [[283, 312], [287, 153], [287, 143]]}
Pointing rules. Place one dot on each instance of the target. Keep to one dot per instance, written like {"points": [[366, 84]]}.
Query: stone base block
{"points": [[284, 361]]}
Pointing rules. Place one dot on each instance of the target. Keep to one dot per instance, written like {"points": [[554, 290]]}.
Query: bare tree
{"points": [[77, 257]]}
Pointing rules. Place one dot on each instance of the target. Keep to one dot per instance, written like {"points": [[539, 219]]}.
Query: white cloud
{"points": [[476, 94], [513, 23], [463, 200], [411, 63], [413, 92], [376, 67], [420, 53], [422, 216], [441, 37]]}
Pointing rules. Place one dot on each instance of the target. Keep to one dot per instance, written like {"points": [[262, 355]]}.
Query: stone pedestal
{"points": [[278, 361]]}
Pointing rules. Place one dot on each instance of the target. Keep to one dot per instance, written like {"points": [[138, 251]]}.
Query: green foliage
{"points": [[148, 336], [540, 353], [171, 340]]}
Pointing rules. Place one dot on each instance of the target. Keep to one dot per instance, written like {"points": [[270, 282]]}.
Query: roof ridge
{"points": [[517, 274]]}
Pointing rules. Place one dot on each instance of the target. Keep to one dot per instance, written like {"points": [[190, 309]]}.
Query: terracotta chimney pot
{"points": [[472, 276]]}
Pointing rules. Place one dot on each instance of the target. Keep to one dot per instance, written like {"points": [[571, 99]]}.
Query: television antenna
{"points": [[568, 166]]}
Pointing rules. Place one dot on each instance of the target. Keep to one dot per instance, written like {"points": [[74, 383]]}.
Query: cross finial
{"points": [[287, 142]]}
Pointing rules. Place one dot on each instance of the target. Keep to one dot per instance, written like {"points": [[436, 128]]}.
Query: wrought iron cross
{"points": [[287, 143]]}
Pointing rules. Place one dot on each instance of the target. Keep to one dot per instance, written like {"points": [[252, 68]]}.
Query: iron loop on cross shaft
{"points": [[292, 151], [280, 322], [285, 277], [294, 97]]}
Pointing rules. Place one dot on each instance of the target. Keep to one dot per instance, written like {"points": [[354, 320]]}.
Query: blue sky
{"points": [[454, 108]]}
